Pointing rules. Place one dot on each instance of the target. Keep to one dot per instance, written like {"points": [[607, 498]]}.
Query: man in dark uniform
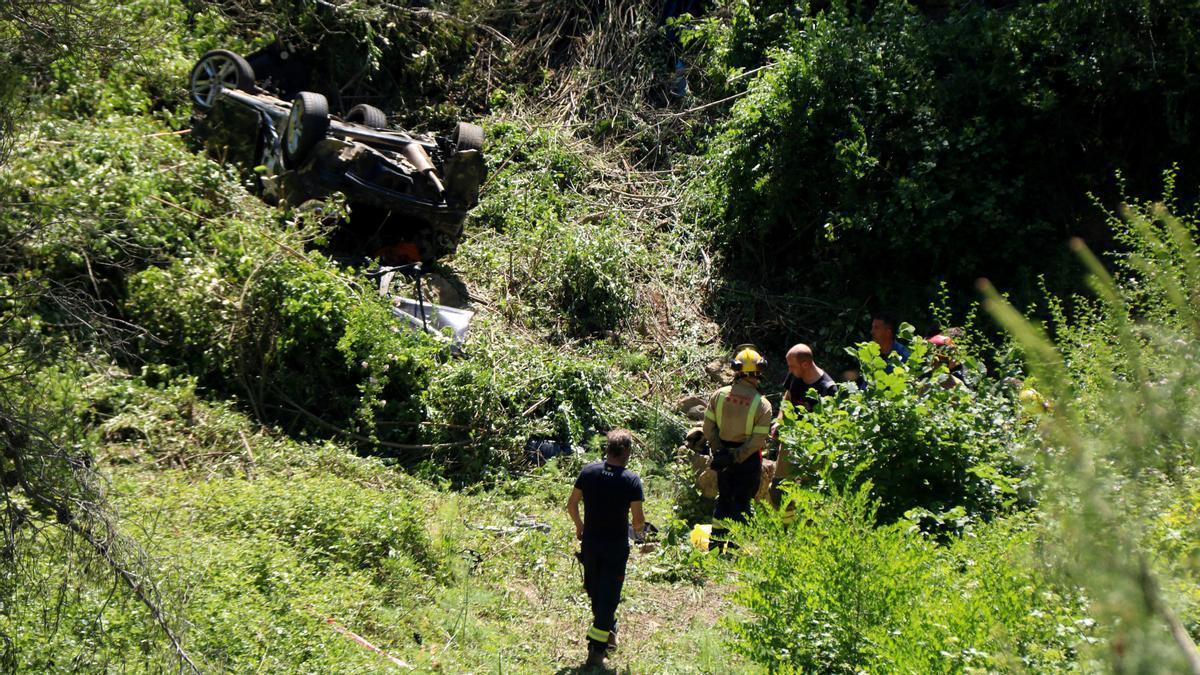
{"points": [[610, 493]]}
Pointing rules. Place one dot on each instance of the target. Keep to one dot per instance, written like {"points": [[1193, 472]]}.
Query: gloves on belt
{"points": [[722, 460]]}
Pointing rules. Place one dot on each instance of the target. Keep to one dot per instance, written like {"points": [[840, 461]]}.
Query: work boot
{"points": [[596, 654], [612, 640]]}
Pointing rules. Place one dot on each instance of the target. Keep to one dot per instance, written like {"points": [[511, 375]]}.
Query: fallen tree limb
{"points": [[83, 514], [364, 643]]}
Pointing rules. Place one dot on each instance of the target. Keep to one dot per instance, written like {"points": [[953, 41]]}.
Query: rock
{"points": [[716, 371], [764, 483], [687, 403], [442, 291]]}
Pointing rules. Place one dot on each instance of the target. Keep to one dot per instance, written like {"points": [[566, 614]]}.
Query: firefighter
{"points": [[610, 494], [736, 425]]}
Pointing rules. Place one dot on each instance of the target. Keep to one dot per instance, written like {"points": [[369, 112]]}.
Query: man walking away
{"points": [[610, 493], [736, 425]]}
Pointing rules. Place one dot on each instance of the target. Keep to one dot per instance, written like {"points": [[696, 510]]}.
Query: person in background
{"points": [[883, 333], [945, 353], [804, 375], [610, 494], [672, 9]]}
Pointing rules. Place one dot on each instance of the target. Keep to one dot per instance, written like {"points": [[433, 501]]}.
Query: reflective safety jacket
{"points": [[738, 418]]}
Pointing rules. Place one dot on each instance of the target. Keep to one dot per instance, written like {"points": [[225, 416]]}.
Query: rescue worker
{"points": [[610, 494], [945, 353], [736, 425]]}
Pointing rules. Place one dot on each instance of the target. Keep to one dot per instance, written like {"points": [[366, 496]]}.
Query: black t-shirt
{"points": [[824, 386], [607, 492]]}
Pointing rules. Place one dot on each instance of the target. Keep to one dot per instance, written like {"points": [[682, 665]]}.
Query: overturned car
{"points": [[408, 193]]}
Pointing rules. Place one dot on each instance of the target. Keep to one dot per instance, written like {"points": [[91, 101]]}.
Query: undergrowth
{"points": [[249, 459]]}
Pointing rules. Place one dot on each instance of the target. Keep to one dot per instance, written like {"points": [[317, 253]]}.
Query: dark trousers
{"points": [[736, 487], [603, 577]]}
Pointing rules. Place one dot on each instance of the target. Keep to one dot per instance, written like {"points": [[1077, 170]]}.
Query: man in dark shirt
{"points": [[883, 333], [610, 493], [804, 376]]}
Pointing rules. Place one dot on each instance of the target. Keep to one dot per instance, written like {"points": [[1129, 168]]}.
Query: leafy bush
{"points": [[291, 335], [1123, 438], [834, 592], [511, 390], [91, 200], [593, 286], [922, 446], [571, 270], [947, 142]]}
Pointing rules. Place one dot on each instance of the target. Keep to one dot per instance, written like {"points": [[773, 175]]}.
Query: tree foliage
{"points": [[884, 146]]}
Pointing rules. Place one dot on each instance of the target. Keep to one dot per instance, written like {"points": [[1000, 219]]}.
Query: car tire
{"points": [[468, 136], [368, 116], [218, 69], [307, 123]]}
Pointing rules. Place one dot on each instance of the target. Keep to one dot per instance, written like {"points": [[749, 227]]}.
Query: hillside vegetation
{"points": [[221, 453]]}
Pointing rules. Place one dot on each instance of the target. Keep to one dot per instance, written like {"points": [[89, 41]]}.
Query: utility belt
{"points": [[729, 444], [722, 463]]}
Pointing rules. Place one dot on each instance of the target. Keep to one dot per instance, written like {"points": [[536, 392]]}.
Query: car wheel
{"points": [[368, 116], [307, 123], [468, 137], [216, 70]]}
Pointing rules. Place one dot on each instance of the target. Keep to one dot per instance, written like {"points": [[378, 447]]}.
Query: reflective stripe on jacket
{"points": [[737, 415]]}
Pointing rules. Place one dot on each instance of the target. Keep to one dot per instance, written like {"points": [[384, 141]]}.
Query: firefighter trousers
{"points": [[603, 577], [736, 487]]}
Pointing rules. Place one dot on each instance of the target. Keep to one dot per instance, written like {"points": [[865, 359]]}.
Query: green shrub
{"points": [[1122, 438], [292, 336], [922, 447], [834, 592], [510, 390], [820, 591], [591, 281], [92, 200], [573, 272]]}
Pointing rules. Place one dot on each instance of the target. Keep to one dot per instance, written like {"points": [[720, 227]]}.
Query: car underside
{"points": [[408, 194]]}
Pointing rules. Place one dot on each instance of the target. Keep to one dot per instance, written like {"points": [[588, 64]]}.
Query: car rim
{"points": [[215, 73], [293, 127]]}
